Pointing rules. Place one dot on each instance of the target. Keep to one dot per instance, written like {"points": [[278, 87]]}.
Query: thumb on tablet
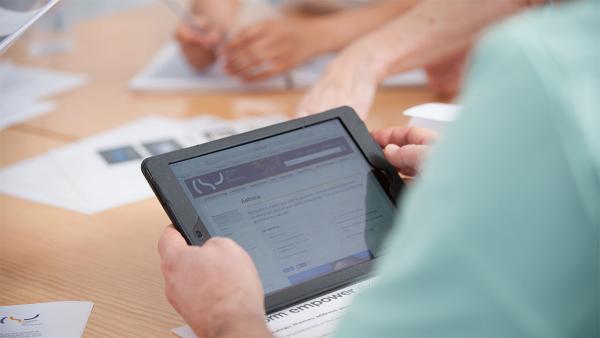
{"points": [[170, 242], [406, 159]]}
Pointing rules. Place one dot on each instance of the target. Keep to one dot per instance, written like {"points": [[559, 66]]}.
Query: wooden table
{"points": [[110, 258]]}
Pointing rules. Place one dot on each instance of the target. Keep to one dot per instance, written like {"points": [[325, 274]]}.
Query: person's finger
{"points": [[261, 74], [186, 39], [257, 56], [243, 65], [198, 56], [208, 38], [180, 36], [258, 64], [212, 38], [247, 58], [402, 136], [406, 159], [264, 43], [383, 136], [170, 243], [223, 243], [245, 37]]}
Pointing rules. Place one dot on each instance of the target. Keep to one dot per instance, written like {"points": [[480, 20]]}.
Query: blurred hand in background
{"points": [[271, 47], [200, 47]]}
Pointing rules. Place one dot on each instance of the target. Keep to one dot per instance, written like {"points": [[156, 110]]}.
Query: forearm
{"points": [[428, 32], [344, 27]]}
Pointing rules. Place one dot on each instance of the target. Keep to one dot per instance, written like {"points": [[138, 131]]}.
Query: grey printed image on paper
{"points": [[219, 133], [161, 147], [119, 155]]}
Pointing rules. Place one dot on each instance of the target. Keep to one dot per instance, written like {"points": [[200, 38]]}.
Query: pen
{"points": [[184, 15]]}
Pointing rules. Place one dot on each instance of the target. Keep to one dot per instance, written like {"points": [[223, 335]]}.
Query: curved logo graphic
{"points": [[5, 319], [197, 181]]}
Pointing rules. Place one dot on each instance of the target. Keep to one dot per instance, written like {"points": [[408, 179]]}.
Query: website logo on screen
{"points": [[205, 184]]}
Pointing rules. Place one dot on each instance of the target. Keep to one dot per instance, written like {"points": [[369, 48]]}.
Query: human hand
{"points": [[199, 48], [350, 80], [215, 288], [270, 47], [405, 147]]}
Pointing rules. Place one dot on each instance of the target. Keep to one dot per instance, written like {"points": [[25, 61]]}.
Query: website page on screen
{"points": [[303, 204]]}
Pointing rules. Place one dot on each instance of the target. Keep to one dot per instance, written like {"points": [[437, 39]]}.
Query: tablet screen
{"points": [[303, 203]]}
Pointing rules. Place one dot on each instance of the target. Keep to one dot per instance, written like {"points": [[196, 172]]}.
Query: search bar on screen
{"points": [[313, 156]]}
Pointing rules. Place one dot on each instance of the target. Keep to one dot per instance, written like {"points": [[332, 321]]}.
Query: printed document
{"points": [[317, 317], [24, 91], [103, 171], [45, 320]]}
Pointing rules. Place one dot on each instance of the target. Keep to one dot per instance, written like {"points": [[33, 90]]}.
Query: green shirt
{"points": [[500, 235]]}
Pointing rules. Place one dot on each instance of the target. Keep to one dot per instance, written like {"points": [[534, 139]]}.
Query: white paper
{"points": [[76, 177], [24, 89], [103, 185], [434, 116], [169, 71], [40, 180], [14, 110], [317, 317], [103, 171], [45, 320], [36, 82]]}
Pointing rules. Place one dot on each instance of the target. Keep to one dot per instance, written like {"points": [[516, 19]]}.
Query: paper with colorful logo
{"points": [[45, 320]]}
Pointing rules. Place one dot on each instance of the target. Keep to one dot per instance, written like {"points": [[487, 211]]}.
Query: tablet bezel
{"points": [[184, 216]]}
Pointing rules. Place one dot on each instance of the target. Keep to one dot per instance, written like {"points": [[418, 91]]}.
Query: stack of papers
{"points": [[169, 71], [317, 317], [23, 91], [46, 320], [103, 171]]}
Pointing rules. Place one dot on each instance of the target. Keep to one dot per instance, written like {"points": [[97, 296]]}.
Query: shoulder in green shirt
{"points": [[500, 235]]}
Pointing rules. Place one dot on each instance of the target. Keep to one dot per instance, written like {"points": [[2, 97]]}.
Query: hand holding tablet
{"points": [[227, 275], [310, 200]]}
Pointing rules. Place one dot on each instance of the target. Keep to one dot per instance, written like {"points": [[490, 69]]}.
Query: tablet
{"points": [[310, 200]]}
